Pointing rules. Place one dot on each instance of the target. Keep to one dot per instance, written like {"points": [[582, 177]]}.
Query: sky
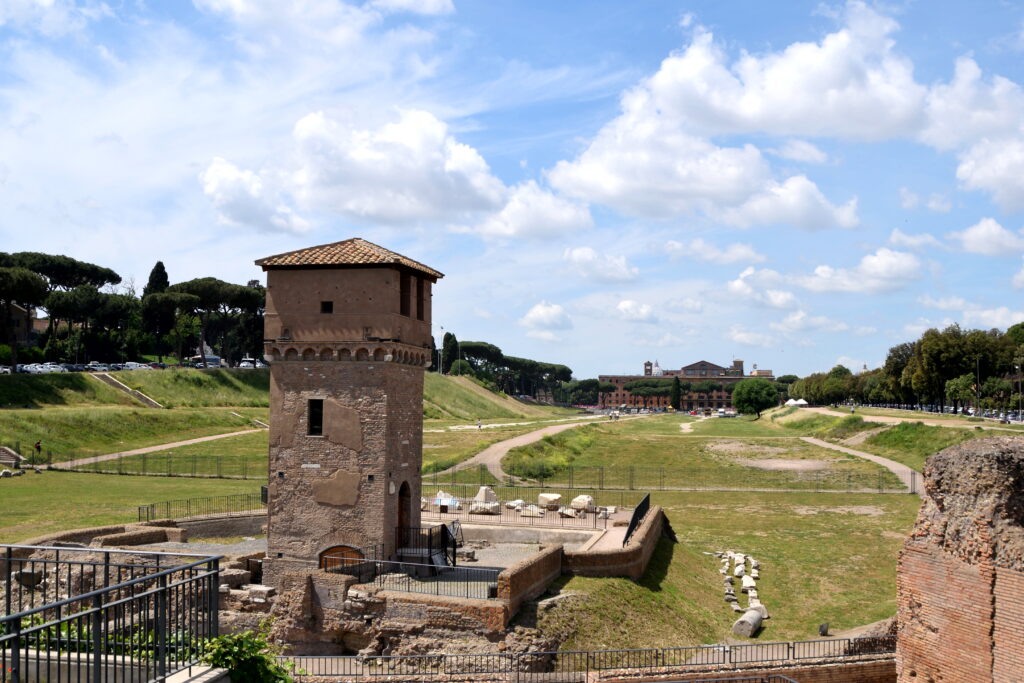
{"points": [[795, 184]]}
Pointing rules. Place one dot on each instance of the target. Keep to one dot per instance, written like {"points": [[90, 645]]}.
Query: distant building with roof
{"points": [[720, 376]]}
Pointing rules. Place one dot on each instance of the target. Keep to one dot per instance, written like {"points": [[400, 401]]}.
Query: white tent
{"points": [[791, 402], [800, 402]]}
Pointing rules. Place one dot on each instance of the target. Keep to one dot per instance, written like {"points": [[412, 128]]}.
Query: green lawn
{"points": [[186, 387], [59, 389], [37, 504], [823, 558], [646, 454], [912, 442], [244, 455], [79, 432]]}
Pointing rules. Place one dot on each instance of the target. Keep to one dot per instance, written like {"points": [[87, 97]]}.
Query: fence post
{"points": [[245, 468], [168, 463], [7, 581], [600, 477], [16, 653], [161, 626], [631, 477], [144, 459], [97, 638], [571, 471]]}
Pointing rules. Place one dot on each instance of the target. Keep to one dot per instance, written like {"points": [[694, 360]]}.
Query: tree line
{"points": [[94, 316], [943, 367], [510, 374]]}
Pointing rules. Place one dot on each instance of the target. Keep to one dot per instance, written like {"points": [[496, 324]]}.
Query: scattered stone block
{"points": [[748, 625], [569, 512], [551, 501], [234, 578], [603, 514], [516, 504], [485, 495], [755, 574], [28, 579], [6, 474], [583, 502], [739, 571], [481, 508], [531, 511], [259, 593], [748, 582]]}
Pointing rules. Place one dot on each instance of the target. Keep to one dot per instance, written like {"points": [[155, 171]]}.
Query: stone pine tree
{"points": [[676, 395], [754, 395]]}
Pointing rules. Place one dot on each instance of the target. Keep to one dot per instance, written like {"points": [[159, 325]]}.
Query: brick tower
{"points": [[347, 332]]}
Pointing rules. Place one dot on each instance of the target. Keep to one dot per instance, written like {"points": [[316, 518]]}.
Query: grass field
{"points": [[655, 453], [80, 432], [185, 387], [823, 558], [37, 504], [64, 389], [244, 455], [461, 399], [912, 442]]}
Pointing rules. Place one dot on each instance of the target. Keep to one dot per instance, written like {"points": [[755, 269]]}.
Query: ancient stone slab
{"points": [[549, 500], [583, 502], [341, 488], [485, 495], [342, 426], [485, 508]]}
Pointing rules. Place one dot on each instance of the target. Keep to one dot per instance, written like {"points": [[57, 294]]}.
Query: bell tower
{"points": [[347, 334]]}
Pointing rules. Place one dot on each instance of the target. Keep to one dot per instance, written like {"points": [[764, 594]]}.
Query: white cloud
{"points": [[50, 18], [882, 271], [601, 267], [850, 84], [635, 311], [797, 202], [899, 238], [410, 169], [1001, 317], [800, 321], [534, 212], [415, 6], [740, 335], [946, 303], [242, 200], [908, 199], [939, 203], [800, 150], [733, 253], [756, 285], [989, 238], [996, 166], [544, 316]]}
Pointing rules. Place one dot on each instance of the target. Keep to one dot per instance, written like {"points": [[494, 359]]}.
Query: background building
{"points": [[704, 385]]}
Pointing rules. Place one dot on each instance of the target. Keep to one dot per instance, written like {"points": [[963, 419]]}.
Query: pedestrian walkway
{"points": [[905, 474], [71, 464]]}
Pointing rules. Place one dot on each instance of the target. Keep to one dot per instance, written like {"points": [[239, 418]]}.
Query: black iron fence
{"points": [[417, 577], [234, 504], [639, 512], [567, 667], [103, 615], [426, 543], [170, 464]]}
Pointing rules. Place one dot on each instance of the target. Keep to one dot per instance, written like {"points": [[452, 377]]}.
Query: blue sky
{"points": [[795, 184]]}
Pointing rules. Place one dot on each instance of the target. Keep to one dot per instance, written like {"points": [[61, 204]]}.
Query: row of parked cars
{"points": [[94, 366]]}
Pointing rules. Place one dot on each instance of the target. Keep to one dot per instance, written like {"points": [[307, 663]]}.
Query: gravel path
{"points": [[893, 419], [148, 449], [904, 473]]}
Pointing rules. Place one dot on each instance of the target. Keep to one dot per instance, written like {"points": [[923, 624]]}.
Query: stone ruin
{"points": [[961, 572], [734, 567]]}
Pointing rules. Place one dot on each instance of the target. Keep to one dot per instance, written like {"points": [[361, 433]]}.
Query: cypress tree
{"points": [[677, 392], [158, 282]]}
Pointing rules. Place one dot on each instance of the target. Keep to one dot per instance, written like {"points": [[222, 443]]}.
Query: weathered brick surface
{"points": [[867, 671], [443, 612], [388, 399], [530, 577], [961, 572], [629, 561]]}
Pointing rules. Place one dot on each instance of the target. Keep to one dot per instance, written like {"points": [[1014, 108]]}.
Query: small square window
{"points": [[327, 307]]}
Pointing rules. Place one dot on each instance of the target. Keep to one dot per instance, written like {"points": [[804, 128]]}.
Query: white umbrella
{"points": [[791, 402], [801, 402]]}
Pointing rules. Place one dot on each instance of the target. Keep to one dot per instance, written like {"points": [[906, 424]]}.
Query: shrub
{"points": [[248, 656]]}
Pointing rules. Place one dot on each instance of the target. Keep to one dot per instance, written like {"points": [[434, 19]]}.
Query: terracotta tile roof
{"points": [[351, 252]]}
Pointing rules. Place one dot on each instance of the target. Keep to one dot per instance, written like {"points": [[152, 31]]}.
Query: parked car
{"points": [[95, 366], [5, 370], [132, 365]]}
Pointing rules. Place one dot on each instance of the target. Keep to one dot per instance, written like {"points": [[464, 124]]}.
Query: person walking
{"points": [[38, 449], [479, 425]]}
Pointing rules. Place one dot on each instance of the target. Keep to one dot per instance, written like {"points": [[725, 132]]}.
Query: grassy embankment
{"points": [[822, 559], [37, 504], [716, 453]]}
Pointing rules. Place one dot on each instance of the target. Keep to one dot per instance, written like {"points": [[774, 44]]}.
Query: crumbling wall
{"points": [[529, 577], [961, 572], [630, 560]]}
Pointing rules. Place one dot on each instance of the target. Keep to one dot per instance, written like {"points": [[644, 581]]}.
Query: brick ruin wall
{"points": [[629, 561], [529, 577], [961, 572]]}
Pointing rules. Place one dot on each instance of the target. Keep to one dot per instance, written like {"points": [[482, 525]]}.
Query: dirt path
{"points": [[906, 475], [148, 449], [861, 437], [492, 455], [893, 419]]}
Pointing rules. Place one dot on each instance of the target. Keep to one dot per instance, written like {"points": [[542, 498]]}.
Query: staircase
{"points": [[121, 386]]}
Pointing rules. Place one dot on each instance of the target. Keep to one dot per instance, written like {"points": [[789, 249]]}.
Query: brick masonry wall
{"points": [[1008, 631], [439, 611], [867, 671], [629, 561], [945, 608], [530, 577]]}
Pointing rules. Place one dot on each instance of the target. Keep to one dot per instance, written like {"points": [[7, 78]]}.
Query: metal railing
{"points": [[170, 464], [103, 615], [565, 667], [238, 503], [639, 512], [425, 542], [416, 577]]}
